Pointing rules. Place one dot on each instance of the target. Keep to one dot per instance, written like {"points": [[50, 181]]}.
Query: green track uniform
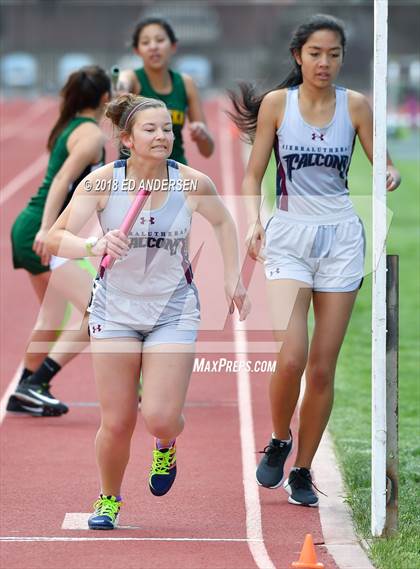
{"points": [[177, 103], [28, 222]]}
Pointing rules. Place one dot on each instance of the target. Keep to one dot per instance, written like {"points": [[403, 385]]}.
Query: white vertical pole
{"points": [[379, 270]]}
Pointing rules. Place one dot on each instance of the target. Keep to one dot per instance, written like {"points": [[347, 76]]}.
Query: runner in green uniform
{"points": [[155, 42], [28, 223], [76, 146]]}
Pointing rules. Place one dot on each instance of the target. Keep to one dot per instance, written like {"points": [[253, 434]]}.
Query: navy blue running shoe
{"points": [[163, 470], [106, 514]]}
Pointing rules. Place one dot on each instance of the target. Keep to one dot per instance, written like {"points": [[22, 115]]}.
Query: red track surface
{"points": [[48, 466]]}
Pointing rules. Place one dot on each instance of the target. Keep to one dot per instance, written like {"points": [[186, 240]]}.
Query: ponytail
{"points": [[83, 90]]}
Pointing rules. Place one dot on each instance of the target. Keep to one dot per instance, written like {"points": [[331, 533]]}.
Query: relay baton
{"points": [[115, 73], [126, 226]]}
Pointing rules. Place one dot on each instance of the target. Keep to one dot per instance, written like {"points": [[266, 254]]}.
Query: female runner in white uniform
{"points": [[144, 312], [314, 244]]}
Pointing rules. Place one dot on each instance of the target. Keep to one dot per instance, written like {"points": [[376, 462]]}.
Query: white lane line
{"points": [[183, 539], [10, 389], [254, 530], [37, 109], [23, 178]]}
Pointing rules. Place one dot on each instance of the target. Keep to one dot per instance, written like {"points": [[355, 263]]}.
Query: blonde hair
{"points": [[123, 108]]}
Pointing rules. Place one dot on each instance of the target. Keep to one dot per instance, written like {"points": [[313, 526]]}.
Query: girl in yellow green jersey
{"points": [[155, 42]]}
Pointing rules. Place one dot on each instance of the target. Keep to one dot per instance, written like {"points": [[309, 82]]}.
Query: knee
{"points": [[291, 367], [119, 429], [162, 424], [320, 378]]}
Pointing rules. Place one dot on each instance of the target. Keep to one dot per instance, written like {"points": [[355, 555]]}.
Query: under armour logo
{"points": [[144, 220], [97, 328], [315, 136]]}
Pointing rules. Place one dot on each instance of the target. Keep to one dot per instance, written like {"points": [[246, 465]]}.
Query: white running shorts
{"points": [[151, 320], [330, 258]]}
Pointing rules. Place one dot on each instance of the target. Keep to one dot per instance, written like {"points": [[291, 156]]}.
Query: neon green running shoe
{"points": [[163, 470], [106, 514]]}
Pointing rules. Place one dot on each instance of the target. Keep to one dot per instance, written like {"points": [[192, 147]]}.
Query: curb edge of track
{"points": [[336, 517]]}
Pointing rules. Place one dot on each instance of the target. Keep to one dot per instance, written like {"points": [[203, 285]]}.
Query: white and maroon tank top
{"points": [[157, 263], [313, 163]]}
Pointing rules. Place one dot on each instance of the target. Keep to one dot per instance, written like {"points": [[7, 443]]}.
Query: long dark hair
{"points": [[83, 90], [149, 21], [247, 103]]}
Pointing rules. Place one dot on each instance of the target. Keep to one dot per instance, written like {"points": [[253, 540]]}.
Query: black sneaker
{"points": [[39, 395], [300, 488], [271, 468], [17, 407]]}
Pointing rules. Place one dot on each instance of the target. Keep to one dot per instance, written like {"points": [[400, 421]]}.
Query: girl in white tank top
{"points": [[157, 262], [314, 244], [144, 314], [313, 163]]}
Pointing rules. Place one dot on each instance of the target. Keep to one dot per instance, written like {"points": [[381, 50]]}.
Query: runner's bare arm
{"points": [[197, 126], [262, 147], [269, 115], [86, 149], [362, 118], [207, 202], [88, 199]]}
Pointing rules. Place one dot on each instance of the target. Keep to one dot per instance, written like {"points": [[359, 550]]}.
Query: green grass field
{"points": [[350, 425]]}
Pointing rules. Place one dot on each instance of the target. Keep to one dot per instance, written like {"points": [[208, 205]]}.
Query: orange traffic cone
{"points": [[307, 559]]}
